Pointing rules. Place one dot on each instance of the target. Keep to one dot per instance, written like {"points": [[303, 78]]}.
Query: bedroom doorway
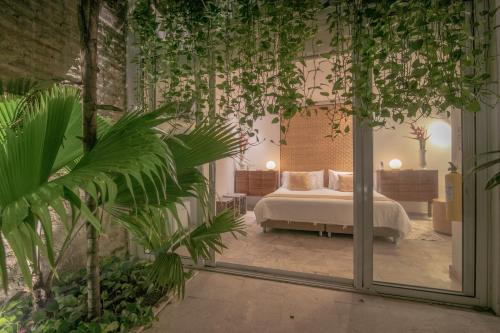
{"points": [[411, 233], [294, 231]]}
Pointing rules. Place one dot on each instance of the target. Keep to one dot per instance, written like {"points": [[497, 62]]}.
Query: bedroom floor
{"points": [[422, 259]]}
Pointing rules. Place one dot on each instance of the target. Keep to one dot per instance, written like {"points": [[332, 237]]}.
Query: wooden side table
{"points": [[240, 202], [409, 185], [223, 204], [440, 222], [256, 183]]}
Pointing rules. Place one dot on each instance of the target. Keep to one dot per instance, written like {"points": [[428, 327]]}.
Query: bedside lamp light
{"points": [[270, 165], [395, 164]]}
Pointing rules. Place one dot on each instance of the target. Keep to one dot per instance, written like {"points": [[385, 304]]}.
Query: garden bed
{"points": [[128, 298]]}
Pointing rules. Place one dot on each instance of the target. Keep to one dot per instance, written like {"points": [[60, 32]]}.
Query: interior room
{"points": [[307, 227], [309, 230]]}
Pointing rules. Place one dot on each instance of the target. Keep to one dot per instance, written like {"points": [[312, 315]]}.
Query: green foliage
{"points": [[389, 61], [410, 59], [145, 216], [41, 168], [252, 46], [127, 298]]}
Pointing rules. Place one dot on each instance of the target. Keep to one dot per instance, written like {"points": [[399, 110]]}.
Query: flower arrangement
{"points": [[419, 133]]}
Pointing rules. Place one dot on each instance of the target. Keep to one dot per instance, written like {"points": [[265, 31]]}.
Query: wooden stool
{"points": [[440, 222]]}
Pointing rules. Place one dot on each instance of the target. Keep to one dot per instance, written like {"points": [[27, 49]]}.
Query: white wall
{"points": [[266, 148], [224, 176]]}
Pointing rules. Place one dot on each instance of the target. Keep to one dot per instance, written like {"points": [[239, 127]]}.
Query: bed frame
{"points": [[328, 228]]}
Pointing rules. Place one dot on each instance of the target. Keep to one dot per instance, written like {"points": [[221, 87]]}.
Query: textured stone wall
{"points": [[40, 39]]}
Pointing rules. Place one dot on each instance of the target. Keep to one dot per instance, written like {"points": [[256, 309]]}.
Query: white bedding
{"points": [[296, 206]]}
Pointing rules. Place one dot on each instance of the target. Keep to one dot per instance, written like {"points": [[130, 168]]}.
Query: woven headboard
{"points": [[308, 148]]}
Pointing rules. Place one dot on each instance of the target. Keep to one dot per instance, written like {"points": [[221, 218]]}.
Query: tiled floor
{"points": [[224, 303], [421, 261]]}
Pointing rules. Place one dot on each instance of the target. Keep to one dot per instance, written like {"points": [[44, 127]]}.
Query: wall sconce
{"points": [[395, 164], [270, 165]]}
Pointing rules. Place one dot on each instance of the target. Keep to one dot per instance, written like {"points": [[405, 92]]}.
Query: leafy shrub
{"points": [[127, 296]]}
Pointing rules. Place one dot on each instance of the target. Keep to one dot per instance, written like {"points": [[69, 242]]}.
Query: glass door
{"points": [[418, 209]]}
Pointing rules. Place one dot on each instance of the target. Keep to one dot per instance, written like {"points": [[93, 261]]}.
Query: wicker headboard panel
{"points": [[308, 148]]}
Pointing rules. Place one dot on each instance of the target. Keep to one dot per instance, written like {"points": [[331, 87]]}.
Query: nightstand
{"points": [[256, 183], [240, 202], [409, 185]]}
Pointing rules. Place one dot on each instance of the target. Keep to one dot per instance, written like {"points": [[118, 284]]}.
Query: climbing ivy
{"points": [[388, 60], [409, 59], [251, 49]]}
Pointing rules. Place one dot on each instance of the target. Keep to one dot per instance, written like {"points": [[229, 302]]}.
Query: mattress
{"points": [[328, 206]]}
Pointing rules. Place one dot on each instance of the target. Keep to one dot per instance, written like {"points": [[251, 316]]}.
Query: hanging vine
{"points": [[388, 60], [414, 58]]}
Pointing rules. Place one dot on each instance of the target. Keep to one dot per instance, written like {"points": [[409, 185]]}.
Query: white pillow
{"points": [[317, 178], [333, 178]]}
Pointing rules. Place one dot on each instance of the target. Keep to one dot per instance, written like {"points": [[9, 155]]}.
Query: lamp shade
{"points": [[270, 165], [395, 164]]}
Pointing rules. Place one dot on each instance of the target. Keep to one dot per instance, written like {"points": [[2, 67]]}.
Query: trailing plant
{"points": [[250, 49], [389, 61], [410, 59]]}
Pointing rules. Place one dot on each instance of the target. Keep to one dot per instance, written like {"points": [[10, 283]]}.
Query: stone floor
{"points": [[223, 303], [422, 259]]}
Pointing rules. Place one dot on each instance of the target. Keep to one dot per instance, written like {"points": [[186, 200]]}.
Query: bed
{"points": [[328, 210]]}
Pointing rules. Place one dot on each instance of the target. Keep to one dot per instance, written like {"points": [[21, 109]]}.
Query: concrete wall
{"points": [[40, 39]]}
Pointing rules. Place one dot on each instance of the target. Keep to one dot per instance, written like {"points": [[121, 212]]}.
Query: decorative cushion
{"points": [[346, 183], [333, 178], [317, 178], [299, 181]]}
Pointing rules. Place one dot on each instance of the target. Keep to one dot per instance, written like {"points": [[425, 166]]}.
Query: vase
{"points": [[423, 162]]}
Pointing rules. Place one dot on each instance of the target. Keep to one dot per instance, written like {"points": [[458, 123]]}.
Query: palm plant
{"points": [[146, 220], [42, 169], [494, 180], [133, 172]]}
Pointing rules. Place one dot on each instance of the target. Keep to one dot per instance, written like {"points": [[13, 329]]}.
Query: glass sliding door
{"points": [[423, 225]]}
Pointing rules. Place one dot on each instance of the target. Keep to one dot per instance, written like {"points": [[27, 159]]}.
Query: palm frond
{"points": [[31, 153], [8, 114], [206, 143], [167, 268], [18, 87], [207, 237], [494, 180]]}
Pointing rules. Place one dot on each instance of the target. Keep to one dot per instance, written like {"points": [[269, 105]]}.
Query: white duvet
{"points": [[329, 207]]}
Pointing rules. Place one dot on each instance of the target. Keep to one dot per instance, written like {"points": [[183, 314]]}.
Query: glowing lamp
{"points": [[270, 165], [440, 133], [395, 164]]}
